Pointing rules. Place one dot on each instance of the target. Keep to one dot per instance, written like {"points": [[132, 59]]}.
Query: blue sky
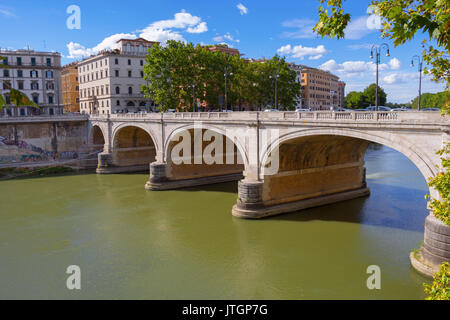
{"points": [[257, 28]]}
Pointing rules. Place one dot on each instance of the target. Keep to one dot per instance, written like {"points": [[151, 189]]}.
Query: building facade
{"points": [[341, 94], [70, 88], [319, 88], [110, 82], [38, 75]]}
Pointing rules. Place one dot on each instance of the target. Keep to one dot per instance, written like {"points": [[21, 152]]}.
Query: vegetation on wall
{"points": [[439, 289]]}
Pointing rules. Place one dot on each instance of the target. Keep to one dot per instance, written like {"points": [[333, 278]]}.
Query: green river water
{"points": [[134, 244]]}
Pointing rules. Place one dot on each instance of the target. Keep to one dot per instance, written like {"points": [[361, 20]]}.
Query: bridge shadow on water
{"points": [[387, 206]]}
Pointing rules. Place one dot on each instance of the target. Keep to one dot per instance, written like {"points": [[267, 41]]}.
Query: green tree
{"points": [[401, 21], [369, 94], [432, 100], [355, 100]]}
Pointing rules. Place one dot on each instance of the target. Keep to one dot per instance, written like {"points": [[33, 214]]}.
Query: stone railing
{"points": [[44, 118], [308, 116]]}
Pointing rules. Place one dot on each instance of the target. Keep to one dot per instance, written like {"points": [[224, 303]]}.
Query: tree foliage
{"points": [[401, 21], [366, 98], [439, 289], [432, 100], [179, 72]]}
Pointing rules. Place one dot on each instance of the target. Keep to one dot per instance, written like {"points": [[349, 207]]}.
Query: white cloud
{"points": [[160, 31], [181, 20], [301, 52], [200, 28], [358, 29], [395, 64], [7, 13], [367, 46], [242, 9], [351, 68], [304, 29], [226, 36]]}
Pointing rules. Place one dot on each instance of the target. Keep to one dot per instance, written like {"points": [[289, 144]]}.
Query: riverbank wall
{"points": [[45, 141]]}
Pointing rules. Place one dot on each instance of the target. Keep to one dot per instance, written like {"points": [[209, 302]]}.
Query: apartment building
{"points": [[70, 87], [341, 94], [38, 75], [110, 82], [319, 88]]}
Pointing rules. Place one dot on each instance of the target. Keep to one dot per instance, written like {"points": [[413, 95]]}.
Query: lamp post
{"points": [[228, 72], [420, 60], [276, 75], [377, 61]]}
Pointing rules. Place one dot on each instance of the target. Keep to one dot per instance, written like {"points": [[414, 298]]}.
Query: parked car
{"points": [[380, 108], [400, 109], [430, 109], [227, 110], [302, 110], [171, 111], [271, 110]]}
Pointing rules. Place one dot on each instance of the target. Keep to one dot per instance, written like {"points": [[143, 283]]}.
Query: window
{"points": [[50, 86], [22, 112], [33, 61], [106, 62], [129, 62], [5, 61], [130, 90], [20, 83], [36, 99], [6, 73], [117, 73], [118, 103], [6, 85], [142, 62], [106, 73], [49, 62], [19, 61], [107, 89], [116, 61], [129, 73], [7, 99], [50, 99], [19, 74], [77, 88], [34, 86], [117, 90], [34, 74], [49, 74], [142, 74]]}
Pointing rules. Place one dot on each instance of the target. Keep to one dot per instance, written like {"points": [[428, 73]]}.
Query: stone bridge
{"points": [[284, 161]]}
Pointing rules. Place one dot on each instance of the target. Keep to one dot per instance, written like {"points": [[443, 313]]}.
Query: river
{"points": [[134, 244]]}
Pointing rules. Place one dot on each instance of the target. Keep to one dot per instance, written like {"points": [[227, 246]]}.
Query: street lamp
{"points": [[420, 60], [228, 72], [276, 75], [377, 60]]}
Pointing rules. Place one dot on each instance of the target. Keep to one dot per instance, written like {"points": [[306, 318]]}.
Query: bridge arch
{"points": [[419, 158], [207, 172], [133, 146], [233, 138], [97, 138]]}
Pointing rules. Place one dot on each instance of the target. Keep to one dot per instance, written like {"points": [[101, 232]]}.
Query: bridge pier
{"points": [[162, 177], [250, 204], [435, 249]]}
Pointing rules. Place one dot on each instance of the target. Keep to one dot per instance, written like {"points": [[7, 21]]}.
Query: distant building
{"points": [[319, 88], [70, 87], [223, 48], [341, 94], [38, 75], [110, 82]]}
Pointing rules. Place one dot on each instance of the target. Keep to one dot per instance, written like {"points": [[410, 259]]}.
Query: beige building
{"points": [[110, 82], [70, 87], [38, 75], [319, 88]]}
